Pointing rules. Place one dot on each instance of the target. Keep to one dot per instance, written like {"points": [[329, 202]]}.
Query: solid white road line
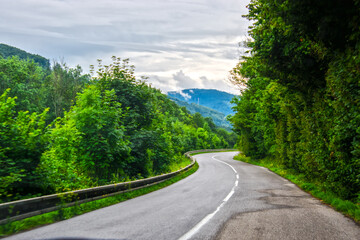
{"points": [[206, 219], [228, 196]]}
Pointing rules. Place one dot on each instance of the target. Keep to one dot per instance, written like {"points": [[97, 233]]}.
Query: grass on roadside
{"points": [[316, 189], [179, 165], [69, 212]]}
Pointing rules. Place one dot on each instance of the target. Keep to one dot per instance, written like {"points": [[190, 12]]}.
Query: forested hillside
{"points": [[9, 51], [217, 117], [211, 98], [300, 106], [62, 130]]}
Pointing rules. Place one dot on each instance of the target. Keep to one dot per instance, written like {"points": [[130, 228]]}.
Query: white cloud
{"points": [[183, 81], [185, 95], [163, 38]]}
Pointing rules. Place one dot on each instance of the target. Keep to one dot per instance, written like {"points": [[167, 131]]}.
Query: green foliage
{"points": [[25, 79], [21, 146], [9, 51], [59, 168], [66, 213], [153, 123], [107, 129], [37, 89], [301, 87], [87, 144], [61, 87]]}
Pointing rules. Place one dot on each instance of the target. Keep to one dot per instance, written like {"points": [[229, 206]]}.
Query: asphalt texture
{"points": [[224, 199]]}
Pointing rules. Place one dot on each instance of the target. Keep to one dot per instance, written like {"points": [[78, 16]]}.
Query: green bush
{"points": [[21, 146]]}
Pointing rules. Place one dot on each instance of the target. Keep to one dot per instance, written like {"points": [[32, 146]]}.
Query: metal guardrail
{"points": [[17, 210]]}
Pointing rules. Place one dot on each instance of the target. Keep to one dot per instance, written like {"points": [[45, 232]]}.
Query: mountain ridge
{"points": [[211, 98], [208, 102], [9, 51], [218, 118]]}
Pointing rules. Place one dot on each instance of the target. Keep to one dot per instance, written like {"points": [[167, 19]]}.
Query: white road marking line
{"points": [[213, 157], [206, 219], [228, 196], [200, 224]]}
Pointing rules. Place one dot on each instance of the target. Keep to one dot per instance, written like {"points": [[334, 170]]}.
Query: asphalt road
{"points": [[224, 199]]}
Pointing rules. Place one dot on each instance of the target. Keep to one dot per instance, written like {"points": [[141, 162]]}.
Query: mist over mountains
{"points": [[211, 98], [208, 102]]}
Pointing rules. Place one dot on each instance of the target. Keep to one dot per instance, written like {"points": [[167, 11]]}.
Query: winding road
{"points": [[224, 199]]}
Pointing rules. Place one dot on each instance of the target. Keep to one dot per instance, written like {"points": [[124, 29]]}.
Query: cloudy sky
{"points": [[178, 44]]}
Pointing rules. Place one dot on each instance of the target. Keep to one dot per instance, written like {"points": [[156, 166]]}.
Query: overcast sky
{"points": [[176, 43]]}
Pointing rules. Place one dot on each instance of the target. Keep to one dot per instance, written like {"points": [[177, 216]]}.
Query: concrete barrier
{"points": [[17, 210]]}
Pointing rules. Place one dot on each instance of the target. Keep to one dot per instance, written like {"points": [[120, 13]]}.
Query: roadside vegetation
{"points": [[62, 130], [69, 212], [299, 108]]}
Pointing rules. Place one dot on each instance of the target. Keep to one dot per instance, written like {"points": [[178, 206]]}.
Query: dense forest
{"points": [[9, 51], [300, 104], [62, 130]]}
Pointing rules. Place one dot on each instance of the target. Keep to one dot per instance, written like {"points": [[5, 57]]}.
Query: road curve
{"points": [[224, 199]]}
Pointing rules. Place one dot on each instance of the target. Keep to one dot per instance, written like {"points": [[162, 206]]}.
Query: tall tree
{"points": [[61, 87], [302, 90]]}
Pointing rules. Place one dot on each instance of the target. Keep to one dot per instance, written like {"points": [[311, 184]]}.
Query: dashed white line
{"points": [[206, 219]]}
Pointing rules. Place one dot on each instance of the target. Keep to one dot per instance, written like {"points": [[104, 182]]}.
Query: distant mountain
{"points": [[208, 102], [9, 51], [211, 98], [218, 117]]}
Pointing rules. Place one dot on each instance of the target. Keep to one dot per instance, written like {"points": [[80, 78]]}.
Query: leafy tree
{"points": [[62, 86], [112, 127], [90, 139], [25, 79], [300, 89], [21, 146], [198, 120]]}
